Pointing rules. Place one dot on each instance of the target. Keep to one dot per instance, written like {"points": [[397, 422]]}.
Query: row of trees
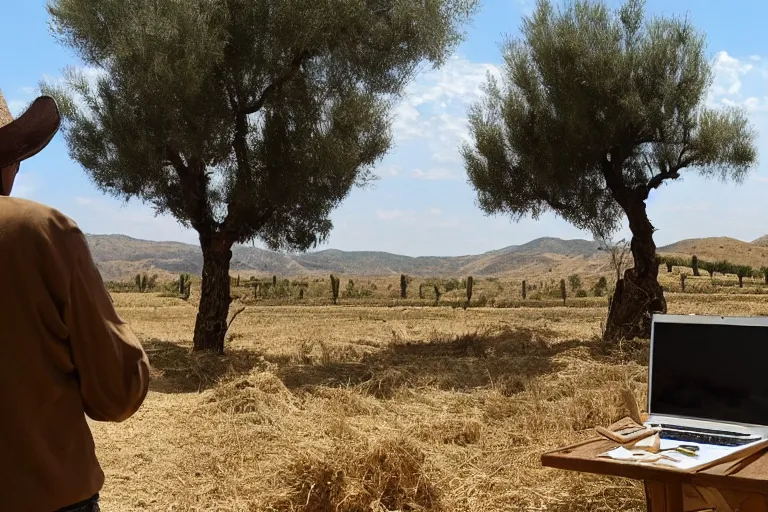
{"points": [[144, 283], [243, 124], [721, 267]]}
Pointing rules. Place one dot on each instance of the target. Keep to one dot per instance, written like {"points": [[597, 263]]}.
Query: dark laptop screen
{"points": [[708, 371]]}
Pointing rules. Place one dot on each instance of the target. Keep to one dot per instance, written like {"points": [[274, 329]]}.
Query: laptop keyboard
{"points": [[705, 436], [701, 430]]}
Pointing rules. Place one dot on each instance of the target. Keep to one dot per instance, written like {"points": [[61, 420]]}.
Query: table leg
{"points": [[664, 496]]}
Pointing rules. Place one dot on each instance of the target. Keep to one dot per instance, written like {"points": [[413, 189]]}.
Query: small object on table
{"points": [[626, 438], [686, 449], [631, 403], [651, 444]]}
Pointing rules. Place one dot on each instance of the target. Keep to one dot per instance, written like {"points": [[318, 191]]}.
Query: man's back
{"points": [[63, 351]]}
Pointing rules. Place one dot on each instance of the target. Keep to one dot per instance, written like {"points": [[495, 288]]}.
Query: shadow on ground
{"points": [[176, 369], [504, 360]]}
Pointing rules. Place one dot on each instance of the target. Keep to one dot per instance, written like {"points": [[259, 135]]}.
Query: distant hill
{"points": [[120, 257], [722, 248]]}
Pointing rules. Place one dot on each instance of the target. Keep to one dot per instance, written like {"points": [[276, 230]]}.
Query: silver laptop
{"points": [[708, 379]]}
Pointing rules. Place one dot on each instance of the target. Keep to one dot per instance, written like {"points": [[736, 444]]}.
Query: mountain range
{"points": [[119, 257]]}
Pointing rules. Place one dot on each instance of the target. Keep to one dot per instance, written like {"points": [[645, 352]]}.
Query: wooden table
{"points": [[669, 489]]}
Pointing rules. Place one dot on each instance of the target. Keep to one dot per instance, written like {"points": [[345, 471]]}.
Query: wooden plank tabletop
{"points": [[583, 457]]}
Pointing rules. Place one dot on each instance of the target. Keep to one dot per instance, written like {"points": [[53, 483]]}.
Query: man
{"points": [[64, 352]]}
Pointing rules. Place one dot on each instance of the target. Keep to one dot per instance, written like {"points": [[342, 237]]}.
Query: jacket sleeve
{"points": [[112, 366]]}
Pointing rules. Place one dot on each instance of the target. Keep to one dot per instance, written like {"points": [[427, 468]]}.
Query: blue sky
{"points": [[423, 205]]}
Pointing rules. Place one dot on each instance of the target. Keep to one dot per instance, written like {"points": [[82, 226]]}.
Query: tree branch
{"points": [[240, 222], [193, 190], [239, 225], [552, 202], [670, 173], [290, 73], [660, 178]]}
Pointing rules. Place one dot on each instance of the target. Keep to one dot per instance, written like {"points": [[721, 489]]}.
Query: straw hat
{"points": [[26, 136]]}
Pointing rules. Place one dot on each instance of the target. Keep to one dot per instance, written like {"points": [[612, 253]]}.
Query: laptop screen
{"points": [[710, 371]]}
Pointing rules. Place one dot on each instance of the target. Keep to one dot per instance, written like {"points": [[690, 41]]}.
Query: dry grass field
{"points": [[380, 408]]}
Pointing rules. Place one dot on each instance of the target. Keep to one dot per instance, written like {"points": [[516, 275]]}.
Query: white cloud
{"points": [[739, 82], [394, 215], [433, 174], [759, 178], [26, 184], [436, 102], [431, 218], [526, 6], [728, 74], [388, 171], [407, 124], [17, 107]]}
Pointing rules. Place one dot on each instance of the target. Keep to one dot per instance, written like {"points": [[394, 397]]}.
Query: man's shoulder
{"points": [[25, 214]]}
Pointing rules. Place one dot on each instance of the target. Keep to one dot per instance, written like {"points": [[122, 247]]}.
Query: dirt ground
{"points": [[376, 408]]}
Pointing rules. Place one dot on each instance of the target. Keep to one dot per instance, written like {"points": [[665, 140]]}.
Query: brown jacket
{"points": [[64, 353]]}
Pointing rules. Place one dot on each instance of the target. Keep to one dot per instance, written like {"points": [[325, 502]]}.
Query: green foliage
{"points": [[708, 267], [601, 286], [289, 115], [454, 284], [352, 291], [144, 283], [575, 282], [581, 293], [595, 109]]}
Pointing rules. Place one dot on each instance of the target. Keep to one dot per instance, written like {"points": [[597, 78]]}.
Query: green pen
{"points": [[686, 449]]}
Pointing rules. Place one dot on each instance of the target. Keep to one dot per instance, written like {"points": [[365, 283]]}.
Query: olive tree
{"points": [[595, 110], [243, 119]]}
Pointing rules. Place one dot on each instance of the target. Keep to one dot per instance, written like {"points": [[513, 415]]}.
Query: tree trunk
{"points": [[211, 323], [638, 295], [741, 281]]}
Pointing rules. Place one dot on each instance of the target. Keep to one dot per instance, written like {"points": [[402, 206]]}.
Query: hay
{"points": [[385, 475], [385, 383], [260, 395], [428, 426], [461, 432]]}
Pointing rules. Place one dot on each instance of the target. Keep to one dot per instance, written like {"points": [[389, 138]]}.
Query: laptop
{"points": [[708, 379]]}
